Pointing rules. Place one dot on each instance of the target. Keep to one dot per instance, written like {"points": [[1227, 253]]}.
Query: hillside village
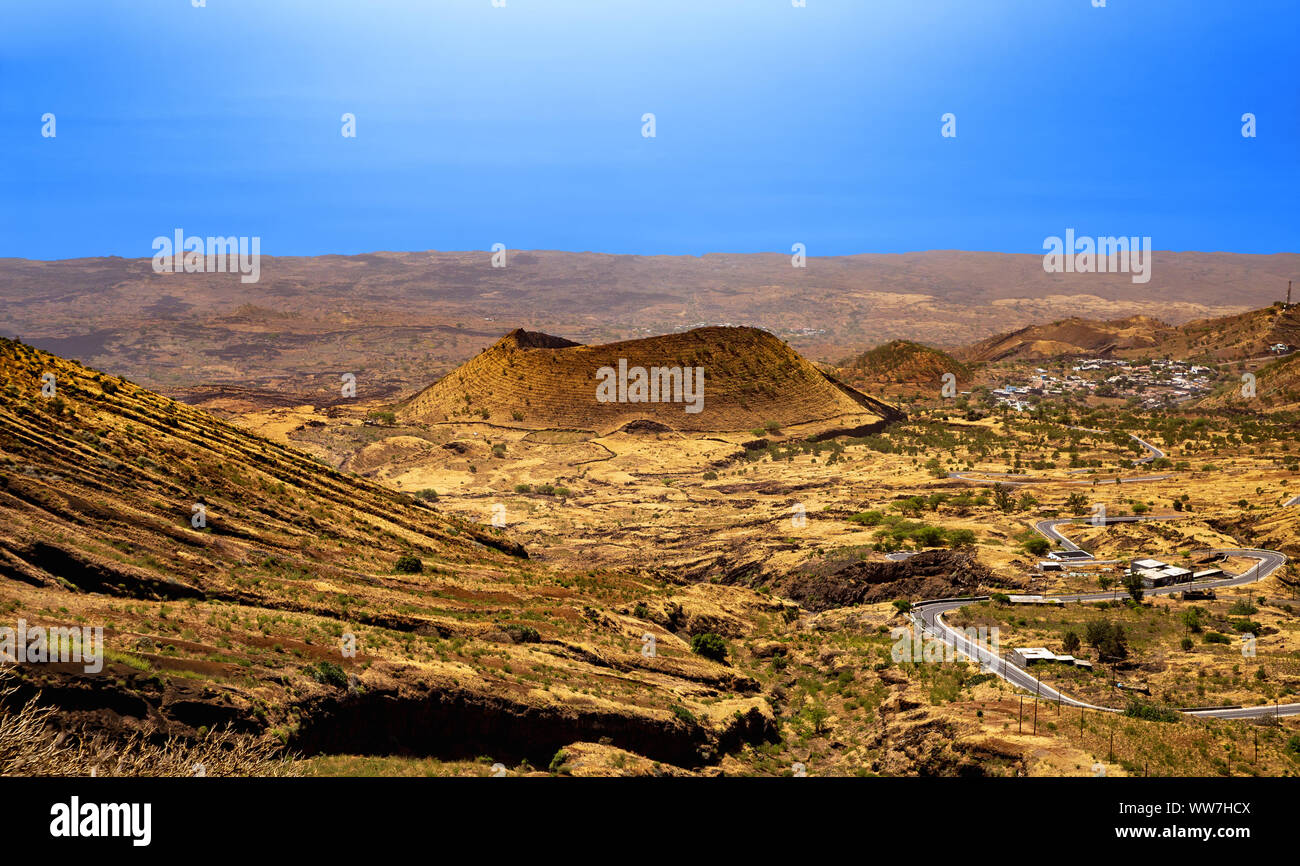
{"points": [[1155, 384]]}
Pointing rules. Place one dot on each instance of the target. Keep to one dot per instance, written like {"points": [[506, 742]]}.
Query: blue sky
{"points": [[522, 125]]}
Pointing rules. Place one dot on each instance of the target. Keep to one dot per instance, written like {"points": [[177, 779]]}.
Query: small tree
{"points": [[408, 564], [817, 716], [1133, 584], [709, 645], [1002, 497], [1071, 642], [1038, 545]]}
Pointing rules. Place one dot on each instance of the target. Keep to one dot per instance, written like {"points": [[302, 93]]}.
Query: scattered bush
{"points": [[408, 564], [709, 645], [1151, 712], [523, 633], [327, 674]]}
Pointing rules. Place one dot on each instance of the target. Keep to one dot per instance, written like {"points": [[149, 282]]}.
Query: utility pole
{"points": [[1020, 725], [1081, 712], [1035, 716]]}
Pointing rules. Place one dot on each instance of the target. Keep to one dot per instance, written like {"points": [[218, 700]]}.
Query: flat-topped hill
{"points": [[750, 378]]}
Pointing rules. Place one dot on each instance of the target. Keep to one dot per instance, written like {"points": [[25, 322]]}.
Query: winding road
{"points": [[928, 615]]}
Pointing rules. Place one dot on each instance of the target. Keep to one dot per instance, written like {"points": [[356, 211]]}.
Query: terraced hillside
{"points": [[463, 646], [751, 378]]}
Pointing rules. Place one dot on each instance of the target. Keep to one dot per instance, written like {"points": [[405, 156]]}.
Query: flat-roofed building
{"points": [[1026, 656]]}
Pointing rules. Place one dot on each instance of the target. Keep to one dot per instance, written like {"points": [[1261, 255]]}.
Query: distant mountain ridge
{"points": [[310, 318]]}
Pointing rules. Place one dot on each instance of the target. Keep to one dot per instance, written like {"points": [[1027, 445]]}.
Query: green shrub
{"points": [[408, 564], [328, 673], [1038, 545], [709, 645], [1152, 713], [523, 633]]}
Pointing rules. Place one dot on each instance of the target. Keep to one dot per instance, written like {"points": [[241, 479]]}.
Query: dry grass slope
{"points": [[536, 382], [1073, 336], [240, 624]]}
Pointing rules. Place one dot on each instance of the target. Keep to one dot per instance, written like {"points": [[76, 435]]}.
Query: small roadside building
{"points": [[1026, 656], [1156, 573]]}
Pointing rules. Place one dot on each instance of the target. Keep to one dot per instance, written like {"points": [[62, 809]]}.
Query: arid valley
{"points": [[533, 581]]}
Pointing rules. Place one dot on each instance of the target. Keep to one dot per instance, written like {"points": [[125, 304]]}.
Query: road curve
{"points": [[1154, 452], [928, 616]]}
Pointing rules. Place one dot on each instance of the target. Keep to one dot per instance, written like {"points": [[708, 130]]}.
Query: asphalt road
{"points": [[1155, 453], [929, 616]]}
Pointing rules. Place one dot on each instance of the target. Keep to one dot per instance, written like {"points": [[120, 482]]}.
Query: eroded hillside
{"points": [[463, 648]]}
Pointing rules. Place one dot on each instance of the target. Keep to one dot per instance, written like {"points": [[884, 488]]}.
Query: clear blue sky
{"points": [[522, 125]]}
